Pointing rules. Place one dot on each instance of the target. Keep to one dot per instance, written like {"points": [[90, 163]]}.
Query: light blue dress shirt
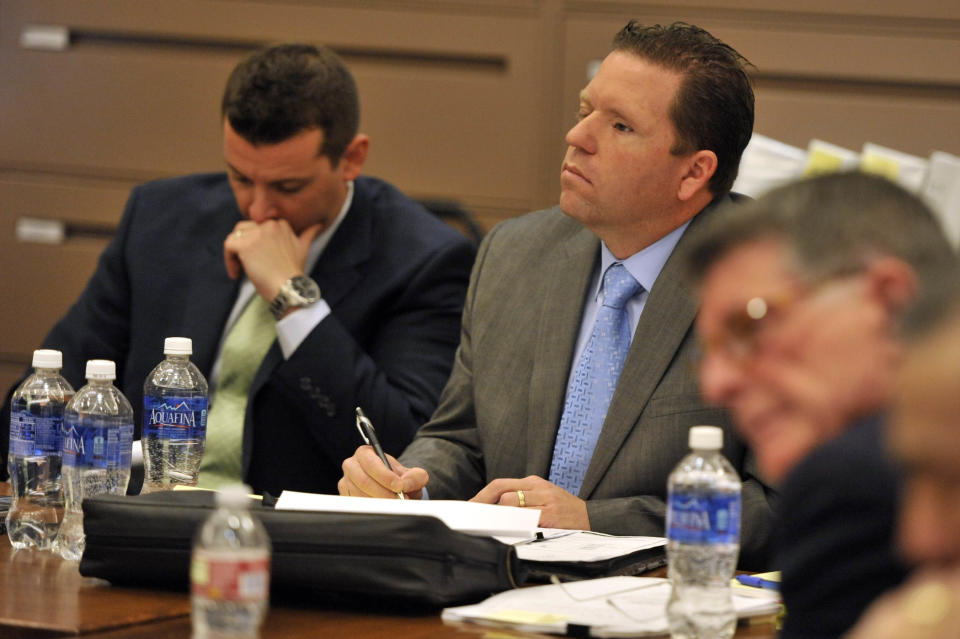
{"points": [[645, 266]]}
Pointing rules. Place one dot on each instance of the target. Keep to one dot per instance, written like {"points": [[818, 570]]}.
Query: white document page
{"points": [[582, 545], [610, 607], [465, 516]]}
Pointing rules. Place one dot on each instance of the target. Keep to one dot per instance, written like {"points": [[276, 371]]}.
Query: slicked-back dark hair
{"points": [[832, 225], [713, 109], [283, 90]]}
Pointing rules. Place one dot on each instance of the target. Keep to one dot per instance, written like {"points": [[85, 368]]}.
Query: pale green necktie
{"points": [[243, 351]]}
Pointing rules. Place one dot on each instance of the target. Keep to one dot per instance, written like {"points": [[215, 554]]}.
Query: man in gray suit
{"points": [[660, 133]]}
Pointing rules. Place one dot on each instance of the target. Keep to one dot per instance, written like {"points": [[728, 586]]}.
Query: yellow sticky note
{"points": [[879, 165], [822, 161]]}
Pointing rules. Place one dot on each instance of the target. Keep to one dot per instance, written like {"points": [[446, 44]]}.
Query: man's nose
{"points": [[582, 135], [262, 207]]}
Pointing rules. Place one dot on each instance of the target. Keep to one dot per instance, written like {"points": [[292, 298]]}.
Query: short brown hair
{"points": [[280, 91], [713, 109]]}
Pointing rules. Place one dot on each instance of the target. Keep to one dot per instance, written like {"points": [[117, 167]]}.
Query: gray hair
{"points": [[833, 224]]}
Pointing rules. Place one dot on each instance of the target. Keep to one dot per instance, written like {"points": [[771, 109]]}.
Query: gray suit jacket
{"points": [[501, 408]]}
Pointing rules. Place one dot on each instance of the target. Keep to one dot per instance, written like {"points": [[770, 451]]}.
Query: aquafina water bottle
{"points": [[230, 570], [97, 441], [174, 419], [36, 415], [703, 539]]}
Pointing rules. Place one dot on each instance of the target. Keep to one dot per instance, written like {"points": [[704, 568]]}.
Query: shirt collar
{"points": [[320, 242], [644, 265]]}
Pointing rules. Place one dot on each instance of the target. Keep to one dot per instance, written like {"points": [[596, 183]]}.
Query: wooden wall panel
{"points": [[40, 281], [467, 100], [449, 113]]}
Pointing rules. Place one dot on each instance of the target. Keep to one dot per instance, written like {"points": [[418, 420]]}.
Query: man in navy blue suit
{"points": [[348, 293]]}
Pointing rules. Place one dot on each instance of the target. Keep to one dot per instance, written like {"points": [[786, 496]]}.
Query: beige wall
{"points": [[464, 100]]}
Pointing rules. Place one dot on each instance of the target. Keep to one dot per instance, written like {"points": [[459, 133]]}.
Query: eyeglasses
{"points": [[608, 598], [741, 329], [737, 339]]}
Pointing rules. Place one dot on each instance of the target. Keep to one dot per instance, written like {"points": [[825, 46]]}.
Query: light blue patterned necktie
{"points": [[594, 381]]}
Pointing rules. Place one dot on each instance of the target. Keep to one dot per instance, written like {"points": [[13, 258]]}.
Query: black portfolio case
{"points": [[145, 541]]}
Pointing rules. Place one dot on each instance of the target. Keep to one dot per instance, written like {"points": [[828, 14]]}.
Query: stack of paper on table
{"points": [[580, 554], [571, 554], [465, 516], [609, 607]]}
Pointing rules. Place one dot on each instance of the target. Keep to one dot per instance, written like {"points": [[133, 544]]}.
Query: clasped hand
{"points": [[365, 475], [269, 253]]}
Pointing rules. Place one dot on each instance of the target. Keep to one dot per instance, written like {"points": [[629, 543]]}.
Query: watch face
{"points": [[305, 287]]}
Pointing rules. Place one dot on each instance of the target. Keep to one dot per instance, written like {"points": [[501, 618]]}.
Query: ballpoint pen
{"points": [[758, 582], [370, 438]]}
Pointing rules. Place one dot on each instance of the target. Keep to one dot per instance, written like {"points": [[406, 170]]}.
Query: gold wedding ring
{"points": [[520, 498]]}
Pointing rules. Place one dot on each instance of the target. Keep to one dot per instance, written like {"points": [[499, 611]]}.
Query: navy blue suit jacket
{"points": [[394, 276], [835, 532]]}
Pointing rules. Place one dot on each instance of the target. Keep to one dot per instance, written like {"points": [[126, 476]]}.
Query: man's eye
{"points": [[239, 179], [620, 126], [289, 189]]}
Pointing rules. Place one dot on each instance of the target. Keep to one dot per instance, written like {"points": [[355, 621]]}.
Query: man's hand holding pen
{"points": [[365, 475]]}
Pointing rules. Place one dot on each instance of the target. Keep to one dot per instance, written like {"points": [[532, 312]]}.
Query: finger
{"points": [[412, 481], [232, 262], [231, 249], [358, 481], [512, 498], [343, 486], [490, 494]]}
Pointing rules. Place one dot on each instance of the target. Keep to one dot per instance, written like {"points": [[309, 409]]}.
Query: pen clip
{"points": [[361, 422], [365, 426]]}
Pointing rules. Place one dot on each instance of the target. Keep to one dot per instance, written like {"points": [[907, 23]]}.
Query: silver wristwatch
{"points": [[298, 291]]}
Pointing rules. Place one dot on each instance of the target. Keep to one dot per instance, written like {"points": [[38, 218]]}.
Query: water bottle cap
{"points": [[233, 495], [706, 438], [101, 369], [47, 358], [178, 346]]}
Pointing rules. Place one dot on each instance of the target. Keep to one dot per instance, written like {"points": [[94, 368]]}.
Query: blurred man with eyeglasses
{"points": [[801, 295], [925, 439]]}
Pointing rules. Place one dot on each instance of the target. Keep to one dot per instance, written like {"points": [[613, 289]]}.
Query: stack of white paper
{"points": [[767, 163], [610, 607], [465, 516], [942, 191]]}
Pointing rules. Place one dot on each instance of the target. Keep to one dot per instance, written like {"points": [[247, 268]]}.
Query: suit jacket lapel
{"points": [[210, 295], [558, 327], [339, 268], [666, 319]]}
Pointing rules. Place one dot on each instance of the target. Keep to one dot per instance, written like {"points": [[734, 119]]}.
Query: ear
{"points": [[698, 170], [351, 162], [892, 282]]}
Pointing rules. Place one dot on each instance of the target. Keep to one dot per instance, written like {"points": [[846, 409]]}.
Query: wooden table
{"points": [[43, 596]]}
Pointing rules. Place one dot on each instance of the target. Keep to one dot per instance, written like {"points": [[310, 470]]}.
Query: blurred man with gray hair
{"points": [[801, 296]]}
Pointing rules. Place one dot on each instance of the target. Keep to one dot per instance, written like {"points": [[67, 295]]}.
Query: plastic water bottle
{"points": [[174, 419], [230, 570], [97, 441], [703, 539], [36, 415]]}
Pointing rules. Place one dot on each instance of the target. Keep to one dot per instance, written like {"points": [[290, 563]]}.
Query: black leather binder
{"points": [[146, 541]]}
